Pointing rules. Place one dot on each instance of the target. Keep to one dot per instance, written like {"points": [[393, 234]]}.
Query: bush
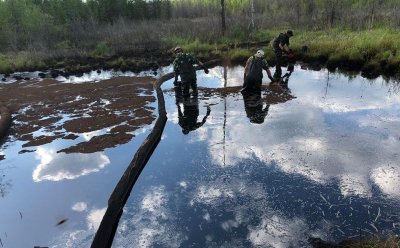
{"points": [[239, 55], [5, 64], [102, 49]]}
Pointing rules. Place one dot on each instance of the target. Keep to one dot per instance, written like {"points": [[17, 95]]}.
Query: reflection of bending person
{"points": [[188, 118], [254, 107]]}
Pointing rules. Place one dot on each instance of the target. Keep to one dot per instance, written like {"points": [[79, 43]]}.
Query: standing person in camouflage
{"points": [[253, 72], [281, 45], [183, 67]]}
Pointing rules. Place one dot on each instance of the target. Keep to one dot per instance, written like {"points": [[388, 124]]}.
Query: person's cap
{"points": [[260, 54], [290, 32], [177, 49]]}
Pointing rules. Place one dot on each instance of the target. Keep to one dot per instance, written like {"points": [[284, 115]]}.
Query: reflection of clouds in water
{"points": [[55, 166], [249, 203], [153, 202], [322, 146], [83, 237], [94, 218], [79, 207], [212, 193], [344, 96], [157, 221], [153, 224], [183, 184], [354, 184], [89, 135], [389, 121], [387, 178], [278, 232]]}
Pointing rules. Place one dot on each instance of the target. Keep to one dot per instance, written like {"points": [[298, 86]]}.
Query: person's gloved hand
{"points": [[206, 71], [291, 55]]}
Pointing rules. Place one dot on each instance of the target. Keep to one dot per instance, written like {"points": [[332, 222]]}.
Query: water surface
{"points": [[318, 158], [323, 161]]}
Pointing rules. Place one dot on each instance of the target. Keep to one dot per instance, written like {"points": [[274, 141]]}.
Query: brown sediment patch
{"points": [[272, 94], [41, 140], [71, 136], [43, 105], [90, 124], [99, 143], [123, 129], [25, 151]]}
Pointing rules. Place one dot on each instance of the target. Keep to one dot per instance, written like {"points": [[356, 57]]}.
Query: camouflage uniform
{"points": [[284, 40], [183, 65], [253, 74]]}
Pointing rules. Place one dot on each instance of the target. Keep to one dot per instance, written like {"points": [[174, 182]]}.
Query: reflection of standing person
{"points": [[281, 46], [188, 117], [183, 67], [253, 72], [254, 107], [284, 80]]}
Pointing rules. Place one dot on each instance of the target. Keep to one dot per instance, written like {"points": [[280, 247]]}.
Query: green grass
{"points": [[5, 64], [377, 48], [380, 45], [393, 242], [101, 49], [19, 62], [239, 54]]}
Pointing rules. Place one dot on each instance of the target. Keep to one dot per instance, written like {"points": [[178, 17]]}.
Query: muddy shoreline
{"points": [[152, 59]]}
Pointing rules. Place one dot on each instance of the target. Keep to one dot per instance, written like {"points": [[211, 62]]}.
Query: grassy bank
{"points": [[372, 242], [374, 51]]}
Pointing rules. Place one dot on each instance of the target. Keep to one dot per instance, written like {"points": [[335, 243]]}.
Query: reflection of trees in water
{"points": [[393, 87], [5, 185]]}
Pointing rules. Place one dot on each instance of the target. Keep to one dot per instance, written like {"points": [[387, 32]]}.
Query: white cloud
{"points": [[79, 207], [55, 166], [94, 218], [387, 178], [278, 232]]}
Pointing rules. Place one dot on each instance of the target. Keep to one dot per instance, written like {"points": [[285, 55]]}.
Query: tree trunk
{"points": [[223, 24], [252, 25]]}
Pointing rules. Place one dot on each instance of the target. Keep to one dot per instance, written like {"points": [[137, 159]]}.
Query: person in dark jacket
{"points": [[184, 67], [280, 46], [253, 72]]}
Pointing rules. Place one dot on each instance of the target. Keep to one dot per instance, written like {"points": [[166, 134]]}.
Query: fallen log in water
{"points": [[109, 224], [5, 121]]}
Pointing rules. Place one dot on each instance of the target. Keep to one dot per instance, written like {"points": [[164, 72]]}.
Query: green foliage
{"points": [[5, 64], [392, 242], [239, 54], [198, 47], [102, 49], [373, 45]]}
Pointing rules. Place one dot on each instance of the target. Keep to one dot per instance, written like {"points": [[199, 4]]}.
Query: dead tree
{"points": [[223, 23]]}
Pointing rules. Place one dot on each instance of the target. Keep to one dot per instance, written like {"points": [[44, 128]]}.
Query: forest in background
{"points": [[34, 30]]}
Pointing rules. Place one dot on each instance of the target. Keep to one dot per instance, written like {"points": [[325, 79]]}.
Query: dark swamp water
{"points": [[317, 159]]}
